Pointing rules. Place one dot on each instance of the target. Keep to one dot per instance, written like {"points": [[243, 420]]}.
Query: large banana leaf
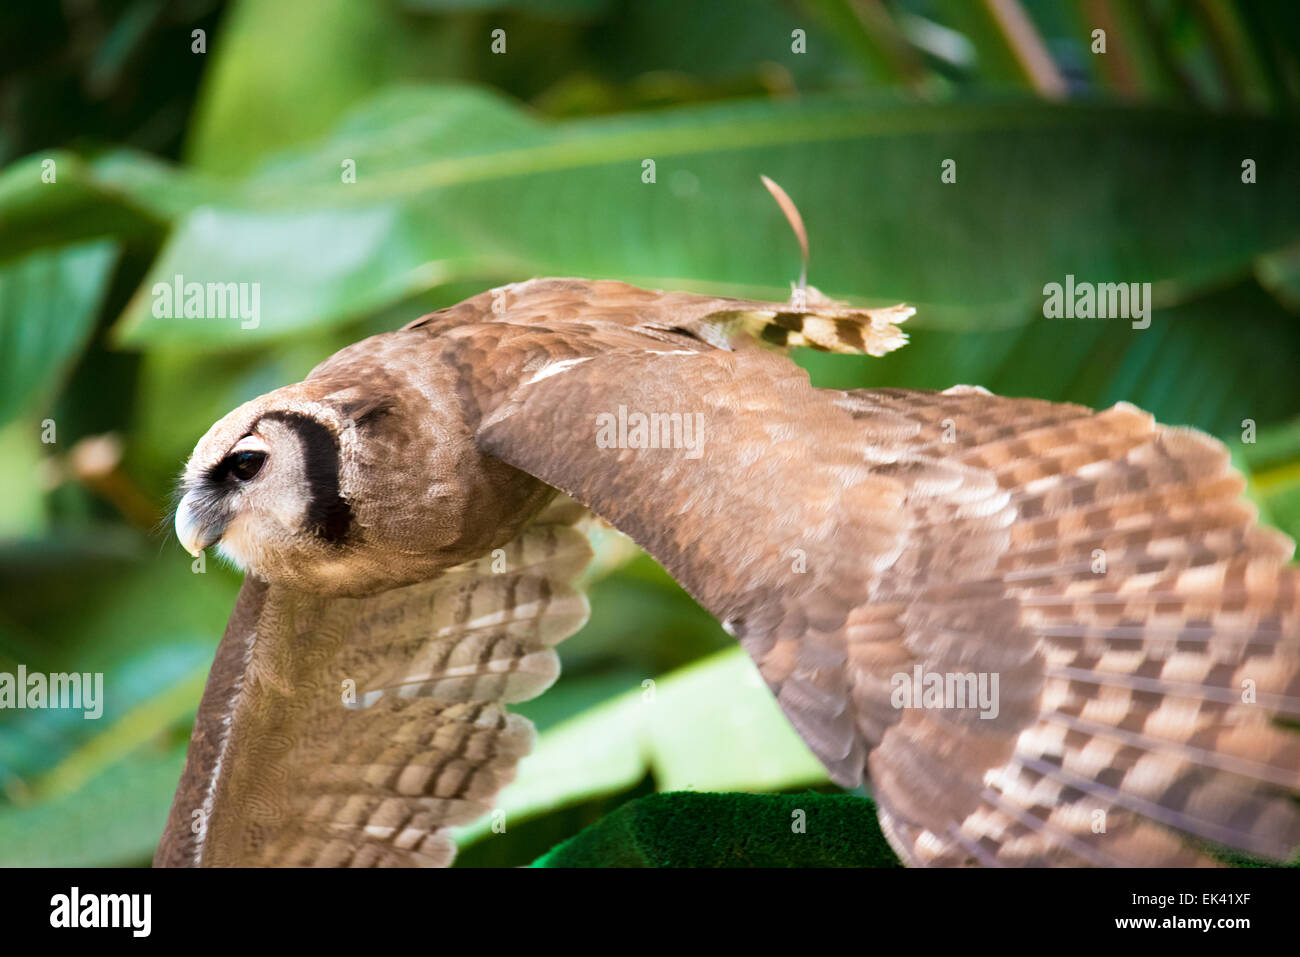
{"points": [[452, 183], [48, 304]]}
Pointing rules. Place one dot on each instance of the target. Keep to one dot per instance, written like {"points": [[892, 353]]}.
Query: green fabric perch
{"points": [[691, 829]]}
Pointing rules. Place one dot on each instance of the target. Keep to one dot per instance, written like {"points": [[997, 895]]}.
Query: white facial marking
{"points": [[251, 443], [234, 546]]}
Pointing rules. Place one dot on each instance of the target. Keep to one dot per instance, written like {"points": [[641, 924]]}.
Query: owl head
{"points": [[349, 482]]}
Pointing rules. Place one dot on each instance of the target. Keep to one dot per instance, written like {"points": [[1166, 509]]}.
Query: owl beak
{"points": [[194, 533]]}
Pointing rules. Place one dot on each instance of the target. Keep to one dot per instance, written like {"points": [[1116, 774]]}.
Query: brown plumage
{"points": [[1104, 570]]}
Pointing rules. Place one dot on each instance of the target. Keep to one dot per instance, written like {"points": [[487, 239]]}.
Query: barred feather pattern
{"points": [[1157, 626], [1145, 630], [367, 727], [825, 325]]}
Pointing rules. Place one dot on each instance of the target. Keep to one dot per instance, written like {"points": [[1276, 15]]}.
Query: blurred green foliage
{"points": [[475, 167]]}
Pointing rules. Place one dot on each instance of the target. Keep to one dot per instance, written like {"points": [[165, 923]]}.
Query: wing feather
{"points": [[377, 723], [1144, 630]]}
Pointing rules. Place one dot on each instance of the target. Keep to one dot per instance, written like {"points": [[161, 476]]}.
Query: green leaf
{"points": [[870, 34], [22, 500], [1209, 363], [1279, 273], [1272, 465], [262, 93], [48, 304], [123, 194], [1042, 191], [712, 726], [995, 54], [115, 818], [731, 830], [149, 627]]}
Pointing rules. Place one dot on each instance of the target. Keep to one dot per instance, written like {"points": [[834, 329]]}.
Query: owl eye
{"points": [[244, 465]]}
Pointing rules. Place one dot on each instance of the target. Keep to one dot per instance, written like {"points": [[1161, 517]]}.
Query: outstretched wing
{"points": [[1142, 630], [366, 727], [1146, 633]]}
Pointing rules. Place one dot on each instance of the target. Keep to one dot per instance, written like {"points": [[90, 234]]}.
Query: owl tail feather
{"points": [[814, 321]]}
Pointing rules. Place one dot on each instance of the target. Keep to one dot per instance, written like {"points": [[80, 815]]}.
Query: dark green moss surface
{"points": [[691, 829]]}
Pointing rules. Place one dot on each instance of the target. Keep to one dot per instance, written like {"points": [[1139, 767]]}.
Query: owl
{"points": [[1040, 634]]}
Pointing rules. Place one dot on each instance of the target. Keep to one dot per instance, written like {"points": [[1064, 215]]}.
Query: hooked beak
{"points": [[194, 533]]}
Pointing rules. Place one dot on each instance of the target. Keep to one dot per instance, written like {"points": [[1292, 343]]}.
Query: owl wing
{"points": [[1104, 571], [366, 727]]}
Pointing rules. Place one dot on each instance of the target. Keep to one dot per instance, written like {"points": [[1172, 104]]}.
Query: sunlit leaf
{"points": [[1042, 192], [116, 818], [48, 304], [712, 726]]}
